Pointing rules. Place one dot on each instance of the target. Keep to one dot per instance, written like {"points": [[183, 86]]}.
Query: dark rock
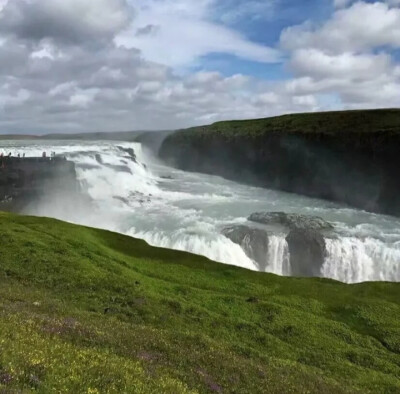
{"points": [[119, 168], [98, 158], [290, 220], [85, 166], [140, 197], [131, 153], [305, 238], [253, 241], [307, 250], [253, 300], [122, 199], [25, 182]]}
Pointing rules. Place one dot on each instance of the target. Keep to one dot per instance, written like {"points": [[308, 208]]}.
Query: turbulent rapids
{"points": [[135, 194]]}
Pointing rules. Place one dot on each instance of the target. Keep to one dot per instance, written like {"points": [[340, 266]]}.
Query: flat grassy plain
{"points": [[89, 311]]}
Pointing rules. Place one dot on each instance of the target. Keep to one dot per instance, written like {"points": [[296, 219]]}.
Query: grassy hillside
{"points": [[361, 121], [89, 311], [17, 137]]}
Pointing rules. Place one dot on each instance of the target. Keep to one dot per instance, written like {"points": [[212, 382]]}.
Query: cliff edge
{"points": [[349, 157], [25, 181]]}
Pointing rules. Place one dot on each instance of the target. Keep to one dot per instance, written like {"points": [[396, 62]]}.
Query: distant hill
{"points": [[117, 136], [112, 136], [17, 137]]}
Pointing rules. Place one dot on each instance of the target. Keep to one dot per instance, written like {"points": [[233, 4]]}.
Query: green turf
{"points": [[89, 311], [360, 121]]}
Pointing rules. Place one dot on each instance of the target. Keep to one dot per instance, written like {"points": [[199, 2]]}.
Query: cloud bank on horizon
{"points": [[74, 66]]}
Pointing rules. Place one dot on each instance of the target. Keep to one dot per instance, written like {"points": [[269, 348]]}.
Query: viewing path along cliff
{"points": [[25, 181], [350, 157]]}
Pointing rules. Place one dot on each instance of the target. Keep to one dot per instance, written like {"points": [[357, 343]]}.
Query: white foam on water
{"points": [[214, 246], [354, 260], [278, 257]]}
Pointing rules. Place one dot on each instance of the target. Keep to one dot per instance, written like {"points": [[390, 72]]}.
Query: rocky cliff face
{"points": [[356, 168], [26, 181], [305, 237]]}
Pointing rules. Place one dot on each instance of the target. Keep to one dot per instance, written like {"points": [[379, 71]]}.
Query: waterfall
{"points": [[278, 258], [134, 194], [354, 260]]}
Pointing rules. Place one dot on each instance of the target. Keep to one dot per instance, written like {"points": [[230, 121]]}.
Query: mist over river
{"points": [[187, 211]]}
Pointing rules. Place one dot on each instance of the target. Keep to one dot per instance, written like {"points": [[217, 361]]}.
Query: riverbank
{"points": [[348, 157]]}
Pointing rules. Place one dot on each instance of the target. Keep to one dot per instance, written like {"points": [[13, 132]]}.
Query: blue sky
{"points": [[73, 65], [266, 28]]}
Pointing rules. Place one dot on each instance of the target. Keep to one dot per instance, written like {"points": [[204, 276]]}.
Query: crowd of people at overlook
{"points": [[6, 158]]}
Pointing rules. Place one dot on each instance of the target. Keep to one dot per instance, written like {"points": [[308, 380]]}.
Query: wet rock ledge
{"points": [[305, 236]]}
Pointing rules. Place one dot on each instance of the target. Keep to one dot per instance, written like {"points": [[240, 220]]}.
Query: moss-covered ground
{"points": [[335, 122], [89, 311]]}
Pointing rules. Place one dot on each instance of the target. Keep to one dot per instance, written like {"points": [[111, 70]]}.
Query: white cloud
{"points": [[64, 20], [11, 98], [82, 98], [182, 32], [360, 27], [308, 101], [3, 3], [347, 56], [344, 65]]}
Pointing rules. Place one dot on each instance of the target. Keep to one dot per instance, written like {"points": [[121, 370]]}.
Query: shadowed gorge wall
{"points": [[350, 157], [26, 181]]}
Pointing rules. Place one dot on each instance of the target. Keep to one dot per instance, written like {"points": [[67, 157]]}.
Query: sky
{"points": [[69, 66]]}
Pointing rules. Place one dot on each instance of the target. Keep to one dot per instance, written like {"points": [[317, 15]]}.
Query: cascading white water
{"points": [[278, 257], [214, 246], [355, 260], [187, 211]]}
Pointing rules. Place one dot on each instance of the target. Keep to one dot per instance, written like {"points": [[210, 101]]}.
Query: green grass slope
{"points": [[89, 311], [360, 121]]}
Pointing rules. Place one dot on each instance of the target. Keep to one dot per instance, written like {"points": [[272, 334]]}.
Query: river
{"points": [[187, 211]]}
